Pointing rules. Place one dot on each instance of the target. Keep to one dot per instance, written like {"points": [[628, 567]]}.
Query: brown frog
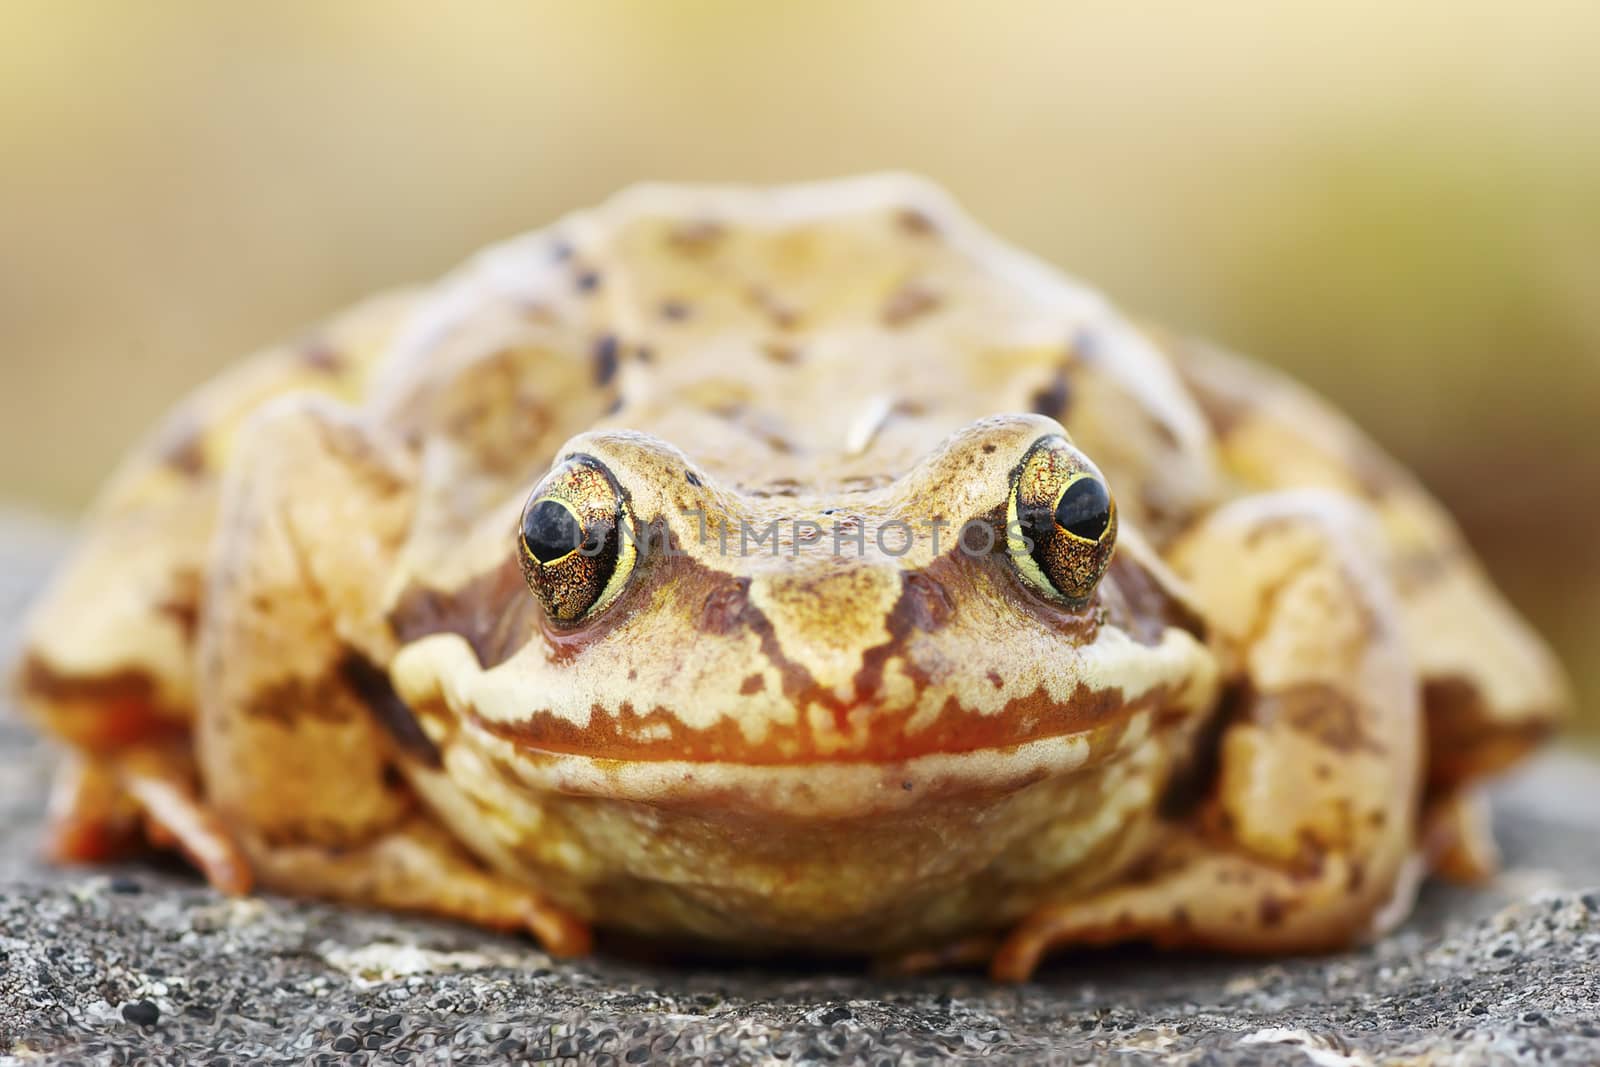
{"points": [[783, 570]]}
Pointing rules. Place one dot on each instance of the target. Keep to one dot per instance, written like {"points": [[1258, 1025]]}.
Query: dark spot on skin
{"points": [[908, 303], [778, 352], [692, 478], [615, 406], [371, 683], [1357, 877], [181, 604], [494, 612], [633, 674], [1271, 911], [1321, 710], [995, 679], [1056, 397], [184, 448], [644, 354], [605, 359], [696, 239], [587, 281], [560, 252], [915, 222], [907, 786], [321, 357], [725, 606], [674, 310], [988, 449], [752, 685]]}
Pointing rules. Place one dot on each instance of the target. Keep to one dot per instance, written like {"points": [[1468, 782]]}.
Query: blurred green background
{"points": [[1399, 202]]}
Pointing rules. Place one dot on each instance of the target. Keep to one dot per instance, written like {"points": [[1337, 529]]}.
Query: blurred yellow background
{"points": [[1400, 202]]}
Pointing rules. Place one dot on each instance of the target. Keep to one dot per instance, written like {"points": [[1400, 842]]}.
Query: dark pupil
{"points": [[551, 531], [1085, 509]]}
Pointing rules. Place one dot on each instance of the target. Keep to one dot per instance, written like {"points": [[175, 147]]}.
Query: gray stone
{"points": [[140, 961]]}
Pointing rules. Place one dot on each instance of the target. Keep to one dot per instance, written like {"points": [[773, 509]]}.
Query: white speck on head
{"points": [[868, 421]]}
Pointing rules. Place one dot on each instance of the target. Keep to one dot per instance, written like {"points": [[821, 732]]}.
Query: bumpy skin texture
{"points": [[297, 640]]}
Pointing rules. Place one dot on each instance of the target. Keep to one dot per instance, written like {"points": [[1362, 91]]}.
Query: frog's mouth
{"points": [[852, 733], [863, 748], [848, 784]]}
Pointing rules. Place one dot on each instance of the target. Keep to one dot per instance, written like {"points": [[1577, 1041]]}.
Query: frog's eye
{"points": [[1061, 520], [576, 545]]}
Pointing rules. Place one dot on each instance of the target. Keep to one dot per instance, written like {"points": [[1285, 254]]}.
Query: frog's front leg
{"points": [[297, 758], [1306, 840]]}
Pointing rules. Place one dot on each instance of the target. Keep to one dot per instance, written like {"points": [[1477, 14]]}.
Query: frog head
{"points": [[985, 605]]}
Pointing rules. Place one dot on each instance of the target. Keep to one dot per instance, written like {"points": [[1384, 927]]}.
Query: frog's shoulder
{"points": [[194, 441], [120, 616]]}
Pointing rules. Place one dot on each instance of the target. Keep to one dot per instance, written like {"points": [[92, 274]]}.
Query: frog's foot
{"points": [[417, 867], [1458, 837], [98, 807], [1208, 899]]}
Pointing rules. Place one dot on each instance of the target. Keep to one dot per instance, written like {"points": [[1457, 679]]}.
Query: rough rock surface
{"points": [[140, 962]]}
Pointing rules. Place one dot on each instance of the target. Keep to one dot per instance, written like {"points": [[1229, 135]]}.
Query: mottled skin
{"points": [[301, 641]]}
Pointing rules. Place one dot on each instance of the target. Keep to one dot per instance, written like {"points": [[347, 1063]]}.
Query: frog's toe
{"points": [[1458, 837], [103, 809], [91, 819], [560, 932], [176, 817]]}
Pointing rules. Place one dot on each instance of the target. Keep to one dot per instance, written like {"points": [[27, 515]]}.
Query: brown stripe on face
{"points": [[1137, 604], [645, 733], [494, 612]]}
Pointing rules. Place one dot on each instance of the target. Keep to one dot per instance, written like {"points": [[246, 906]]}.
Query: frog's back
{"points": [[814, 337]]}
